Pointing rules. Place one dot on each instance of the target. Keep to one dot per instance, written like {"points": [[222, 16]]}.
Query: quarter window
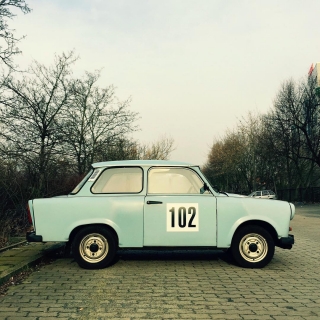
{"points": [[119, 180], [82, 182]]}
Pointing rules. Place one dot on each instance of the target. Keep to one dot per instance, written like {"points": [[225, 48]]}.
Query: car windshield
{"points": [[79, 186]]}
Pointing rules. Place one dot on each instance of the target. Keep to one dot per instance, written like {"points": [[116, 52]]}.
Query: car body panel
{"points": [[59, 216], [234, 211], [165, 225]]}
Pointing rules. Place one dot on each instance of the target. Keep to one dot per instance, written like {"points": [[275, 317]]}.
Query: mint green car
{"points": [[144, 204]]}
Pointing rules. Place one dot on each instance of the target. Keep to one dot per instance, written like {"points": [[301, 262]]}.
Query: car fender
{"points": [[253, 220], [233, 212], [87, 222]]}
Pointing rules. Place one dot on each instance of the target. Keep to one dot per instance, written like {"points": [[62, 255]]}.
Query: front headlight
{"points": [[293, 210]]}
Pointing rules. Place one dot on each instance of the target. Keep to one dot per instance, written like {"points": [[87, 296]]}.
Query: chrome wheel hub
{"points": [[94, 248], [253, 247]]}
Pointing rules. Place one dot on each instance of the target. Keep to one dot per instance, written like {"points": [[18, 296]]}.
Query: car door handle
{"points": [[154, 202]]}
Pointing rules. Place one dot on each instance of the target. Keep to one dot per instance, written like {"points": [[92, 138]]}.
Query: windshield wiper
{"points": [[219, 191]]}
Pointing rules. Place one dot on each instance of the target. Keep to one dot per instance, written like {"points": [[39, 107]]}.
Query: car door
{"points": [[258, 194], [176, 211]]}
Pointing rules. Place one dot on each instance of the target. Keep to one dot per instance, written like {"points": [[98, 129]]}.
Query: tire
{"points": [[94, 247], [252, 247]]}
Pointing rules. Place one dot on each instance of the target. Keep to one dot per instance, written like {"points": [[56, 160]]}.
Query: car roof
{"points": [[148, 163]]}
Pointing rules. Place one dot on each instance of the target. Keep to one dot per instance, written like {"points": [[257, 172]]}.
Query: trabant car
{"points": [[263, 194], [156, 204]]}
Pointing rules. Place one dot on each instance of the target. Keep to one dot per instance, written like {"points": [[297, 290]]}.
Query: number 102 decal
{"points": [[182, 217]]}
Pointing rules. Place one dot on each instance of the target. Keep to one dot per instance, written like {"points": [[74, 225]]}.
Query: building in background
{"points": [[314, 71]]}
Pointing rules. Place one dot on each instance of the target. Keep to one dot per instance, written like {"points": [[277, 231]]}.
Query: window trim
{"points": [[173, 194], [118, 167], [82, 182]]}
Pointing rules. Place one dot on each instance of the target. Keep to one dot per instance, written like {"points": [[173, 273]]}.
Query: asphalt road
{"points": [[178, 285]]}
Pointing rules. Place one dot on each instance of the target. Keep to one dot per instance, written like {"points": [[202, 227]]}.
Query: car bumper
{"points": [[286, 242], [32, 237]]}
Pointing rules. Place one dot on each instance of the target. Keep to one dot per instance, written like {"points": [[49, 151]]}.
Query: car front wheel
{"points": [[94, 247], [252, 247]]}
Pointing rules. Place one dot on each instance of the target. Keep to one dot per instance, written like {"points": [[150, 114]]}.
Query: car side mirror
{"points": [[204, 189]]}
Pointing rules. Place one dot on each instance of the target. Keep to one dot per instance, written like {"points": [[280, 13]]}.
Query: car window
{"points": [[271, 192], [174, 181], [82, 182], [265, 193], [258, 193], [119, 180]]}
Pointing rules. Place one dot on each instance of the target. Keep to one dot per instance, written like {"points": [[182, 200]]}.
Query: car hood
{"points": [[236, 195]]}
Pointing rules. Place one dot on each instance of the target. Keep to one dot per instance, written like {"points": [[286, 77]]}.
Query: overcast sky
{"points": [[193, 68]]}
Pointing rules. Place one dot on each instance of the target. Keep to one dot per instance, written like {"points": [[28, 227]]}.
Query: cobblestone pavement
{"points": [[178, 285]]}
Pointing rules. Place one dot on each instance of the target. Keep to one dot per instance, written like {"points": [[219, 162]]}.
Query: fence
{"points": [[311, 194]]}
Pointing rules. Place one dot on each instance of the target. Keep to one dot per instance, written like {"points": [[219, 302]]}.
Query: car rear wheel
{"points": [[94, 247], [252, 247]]}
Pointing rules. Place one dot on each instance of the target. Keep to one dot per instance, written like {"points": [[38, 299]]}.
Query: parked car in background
{"points": [[263, 194], [153, 203]]}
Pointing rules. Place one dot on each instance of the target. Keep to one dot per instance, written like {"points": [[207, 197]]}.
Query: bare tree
{"points": [[29, 115], [120, 148], [234, 162], [157, 150], [278, 150], [296, 118], [292, 134], [95, 121], [8, 41], [223, 167]]}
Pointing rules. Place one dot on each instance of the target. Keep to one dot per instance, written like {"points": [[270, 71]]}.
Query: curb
{"points": [[29, 262], [13, 246]]}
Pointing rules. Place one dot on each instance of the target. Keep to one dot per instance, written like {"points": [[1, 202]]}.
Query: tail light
{"points": [[29, 214]]}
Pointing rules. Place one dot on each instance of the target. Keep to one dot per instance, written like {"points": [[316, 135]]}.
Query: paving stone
{"points": [[167, 285]]}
